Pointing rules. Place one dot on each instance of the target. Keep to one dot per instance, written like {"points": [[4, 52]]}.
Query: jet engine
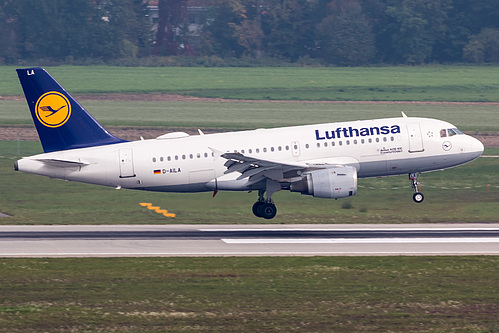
{"points": [[331, 183]]}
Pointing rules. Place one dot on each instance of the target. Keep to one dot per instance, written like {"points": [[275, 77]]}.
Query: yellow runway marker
{"points": [[156, 209]]}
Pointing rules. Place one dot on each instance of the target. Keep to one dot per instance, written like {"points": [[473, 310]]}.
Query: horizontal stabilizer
{"points": [[61, 163]]}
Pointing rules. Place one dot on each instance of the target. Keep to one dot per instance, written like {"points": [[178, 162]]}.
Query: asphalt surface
{"points": [[248, 240]]}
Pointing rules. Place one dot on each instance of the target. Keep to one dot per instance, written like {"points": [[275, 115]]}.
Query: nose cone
{"points": [[475, 147]]}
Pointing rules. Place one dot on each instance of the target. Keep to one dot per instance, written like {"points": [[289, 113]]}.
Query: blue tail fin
{"points": [[62, 123]]}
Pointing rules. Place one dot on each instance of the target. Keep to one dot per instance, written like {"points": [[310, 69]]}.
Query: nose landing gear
{"points": [[413, 178]]}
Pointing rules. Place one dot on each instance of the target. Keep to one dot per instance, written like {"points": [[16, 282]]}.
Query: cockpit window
{"points": [[449, 132], [453, 131]]}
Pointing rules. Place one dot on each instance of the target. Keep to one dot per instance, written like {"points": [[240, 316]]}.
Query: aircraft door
{"points": [[295, 148], [415, 138], [126, 163]]}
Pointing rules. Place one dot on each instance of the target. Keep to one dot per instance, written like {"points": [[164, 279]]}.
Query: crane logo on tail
{"points": [[53, 109]]}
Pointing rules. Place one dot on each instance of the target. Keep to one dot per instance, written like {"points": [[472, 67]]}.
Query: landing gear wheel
{"points": [[418, 197], [256, 206], [267, 210]]}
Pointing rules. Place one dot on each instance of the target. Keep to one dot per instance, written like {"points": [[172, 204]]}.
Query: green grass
{"points": [[24, 197], [237, 115], [319, 294], [438, 294], [428, 83]]}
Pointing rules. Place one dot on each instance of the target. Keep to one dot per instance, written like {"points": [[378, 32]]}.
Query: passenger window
{"points": [[287, 147], [169, 158], [443, 133], [264, 150], [279, 148], [205, 154], [154, 159], [257, 150], [272, 149]]}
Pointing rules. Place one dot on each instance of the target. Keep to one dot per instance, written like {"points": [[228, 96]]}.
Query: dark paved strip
{"points": [[244, 234]]}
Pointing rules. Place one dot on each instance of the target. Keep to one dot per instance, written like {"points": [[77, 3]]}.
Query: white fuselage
{"points": [[177, 162]]}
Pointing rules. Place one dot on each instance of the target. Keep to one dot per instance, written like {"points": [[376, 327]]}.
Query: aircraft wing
{"points": [[257, 169]]}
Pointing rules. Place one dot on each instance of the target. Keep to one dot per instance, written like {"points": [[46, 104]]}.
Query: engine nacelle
{"points": [[333, 183]]}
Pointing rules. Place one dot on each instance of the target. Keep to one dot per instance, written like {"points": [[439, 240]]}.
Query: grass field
{"points": [[376, 202], [431, 83], [234, 115], [320, 294], [386, 200]]}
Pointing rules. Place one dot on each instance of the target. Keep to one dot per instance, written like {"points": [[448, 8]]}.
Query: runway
{"points": [[248, 240]]}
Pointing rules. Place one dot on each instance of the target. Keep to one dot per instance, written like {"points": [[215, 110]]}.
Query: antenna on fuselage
{"points": [[403, 114]]}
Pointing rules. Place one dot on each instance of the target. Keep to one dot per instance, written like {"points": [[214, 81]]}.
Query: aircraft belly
{"points": [[406, 165], [178, 188], [200, 177]]}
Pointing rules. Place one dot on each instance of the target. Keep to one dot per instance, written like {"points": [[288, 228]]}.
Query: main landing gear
{"points": [[265, 207], [413, 178]]}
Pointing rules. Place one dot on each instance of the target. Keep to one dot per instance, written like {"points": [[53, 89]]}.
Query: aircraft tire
{"points": [[418, 197], [256, 207], [267, 210]]}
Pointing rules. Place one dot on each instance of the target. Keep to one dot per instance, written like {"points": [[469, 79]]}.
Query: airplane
{"points": [[321, 160]]}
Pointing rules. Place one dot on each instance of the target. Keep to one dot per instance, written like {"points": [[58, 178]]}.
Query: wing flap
{"points": [[257, 169]]}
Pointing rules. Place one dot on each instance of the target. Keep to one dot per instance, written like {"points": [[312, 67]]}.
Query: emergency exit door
{"points": [[415, 138], [126, 163]]}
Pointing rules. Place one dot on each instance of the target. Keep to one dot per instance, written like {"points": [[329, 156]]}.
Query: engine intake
{"points": [[333, 183]]}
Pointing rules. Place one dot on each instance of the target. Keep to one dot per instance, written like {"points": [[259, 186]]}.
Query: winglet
{"points": [[216, 153]]}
